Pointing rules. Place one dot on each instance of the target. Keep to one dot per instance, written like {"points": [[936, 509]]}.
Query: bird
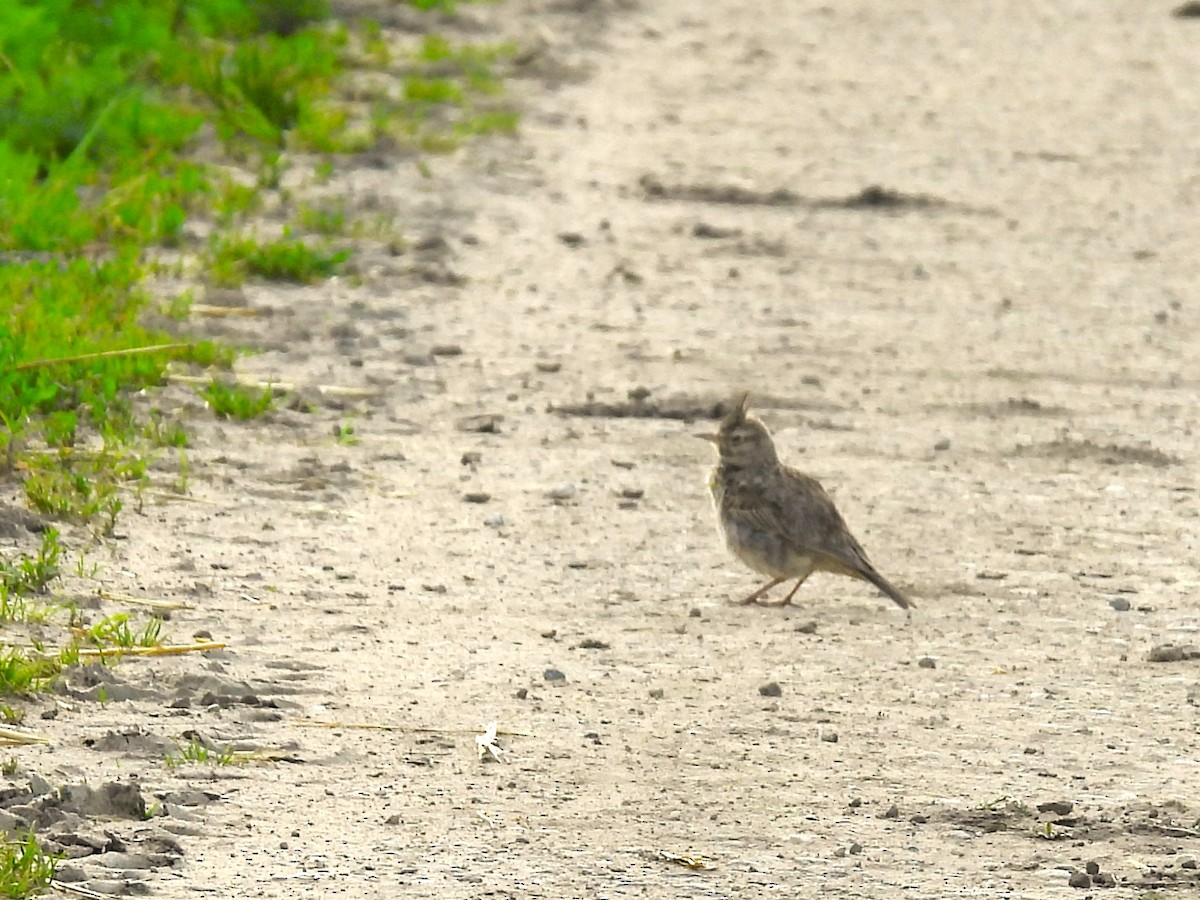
{"points": [[774, 518]]}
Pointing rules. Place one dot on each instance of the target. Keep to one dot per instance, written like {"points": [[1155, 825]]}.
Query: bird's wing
{"points": [[813, 523]]}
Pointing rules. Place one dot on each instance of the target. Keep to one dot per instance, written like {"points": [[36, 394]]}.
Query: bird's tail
{"points": [[869, 574]]}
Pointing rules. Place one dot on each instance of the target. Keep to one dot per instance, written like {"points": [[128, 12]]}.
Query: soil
{"points": [[949, 248]]}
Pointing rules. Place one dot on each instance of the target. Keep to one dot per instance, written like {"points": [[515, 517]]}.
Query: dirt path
{"points": [[994, 368]]}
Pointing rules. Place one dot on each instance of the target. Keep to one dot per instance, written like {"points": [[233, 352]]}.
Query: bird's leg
{"points": [[745, 601], [788, 599]]}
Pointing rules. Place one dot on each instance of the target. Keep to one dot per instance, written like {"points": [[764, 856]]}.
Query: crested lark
{"points": [[776, 520]]}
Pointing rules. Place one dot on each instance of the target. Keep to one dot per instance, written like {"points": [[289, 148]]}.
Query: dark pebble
{"points": [[829, 737], [771, 689], [1080, 880], [855, 803], [892, 812], [1120, 604], [1173, 653], [554, 675], [593, 644], [1188, 864], [1104, 879], [927, 662], [656, 693], [856, 848], [477, 497], [547, 366], [919, 819], [943, 444], [1093, 868], [1057, 807], [807, 627], [446, 350], [471, 457], [694, 612], [522, 693]]}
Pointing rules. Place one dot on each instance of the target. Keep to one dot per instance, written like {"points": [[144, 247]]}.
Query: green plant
{"points": [[236, 401], [196, 751], [25, 867], [30, 574], [115, 631], [21, 674], [233, 258], [10, 766]]}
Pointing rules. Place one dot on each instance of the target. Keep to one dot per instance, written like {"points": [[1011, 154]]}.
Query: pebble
{"points": [[855, 803], [1093, 868], [554, 675], [656, 693], [919, 819], [1056, 807], [1104, 879], [446, 350], [694, 613], [1080, 880], [116, 860], [477, 496], [495, 520], [829, 737], [809, 627], [892, 812], [418, 358], [522, 693], [547, 366], [632, 493], [856, 848], [564, 491], [771, 689], [471, 458], [1188, 863], [488, 423], [927, 662], [943, 444], [1120, 604]]}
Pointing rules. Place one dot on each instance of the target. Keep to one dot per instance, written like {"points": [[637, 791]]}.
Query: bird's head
{"points": [[742, 440]]}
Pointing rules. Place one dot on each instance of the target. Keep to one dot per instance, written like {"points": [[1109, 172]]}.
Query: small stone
{"points": [[594, 644], [1120, 604], [829, 737], [571, 238], [892, 812], [495, 520], [547, 366], [283, 845], [488, 423], [477, 496], [1172, 653], [434, 588], [446, 350], [593, 737], [471, 458], [927, 662], [1079, 880], [943, 444], [631, 493], [855, 803], [694, 612], [418, 358], [522, 693], [771, 689], [809, 627], [1093, 868], [1188, 863], [554, 675], [840, 852], [656, 693], [1056, 807], [1104, 879], [919, 819], [856, 848], [564, 491]]}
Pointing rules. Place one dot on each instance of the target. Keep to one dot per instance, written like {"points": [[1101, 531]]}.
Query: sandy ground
{"points": [[992, 363]]}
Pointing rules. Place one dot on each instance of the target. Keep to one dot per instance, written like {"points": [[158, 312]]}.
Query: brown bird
{"points": [[778, 521]]}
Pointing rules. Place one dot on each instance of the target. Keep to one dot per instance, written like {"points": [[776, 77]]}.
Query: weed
{"points": [[10, 715], [10, 766], [25, 868], [22, 674], [233, 258], [197, 752], [235, 401], [31, 574], [115, 631]]}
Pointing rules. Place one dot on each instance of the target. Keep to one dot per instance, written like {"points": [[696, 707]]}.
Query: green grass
{"points": [[230, 400], [25, 868], [196, 752], [233, 258]]}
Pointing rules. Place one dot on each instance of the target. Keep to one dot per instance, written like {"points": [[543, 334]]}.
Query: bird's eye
{"points": [[737, 437]]}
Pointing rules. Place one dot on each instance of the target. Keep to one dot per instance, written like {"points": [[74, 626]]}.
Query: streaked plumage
{"points": [[778, 521]]}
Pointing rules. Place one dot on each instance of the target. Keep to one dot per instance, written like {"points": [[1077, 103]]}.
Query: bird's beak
{"points": [[712, 438]]}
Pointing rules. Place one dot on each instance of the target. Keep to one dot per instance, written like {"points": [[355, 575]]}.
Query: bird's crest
{"points": [[737, 414]]}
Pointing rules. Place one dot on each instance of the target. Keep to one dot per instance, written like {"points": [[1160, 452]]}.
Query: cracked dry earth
{"points": [[948, 247]]}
